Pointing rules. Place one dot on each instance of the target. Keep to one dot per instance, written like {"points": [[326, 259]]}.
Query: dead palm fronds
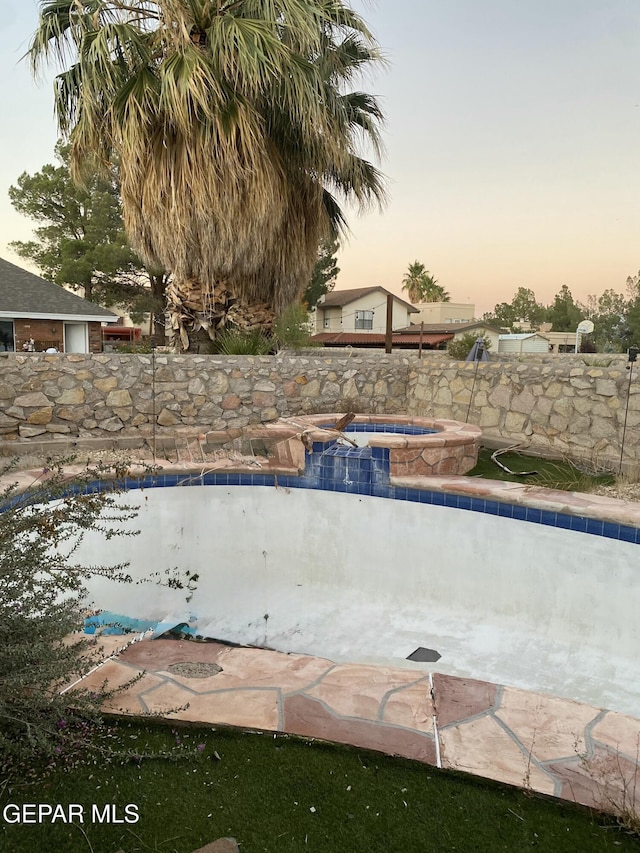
{"points": [[232, 126]]}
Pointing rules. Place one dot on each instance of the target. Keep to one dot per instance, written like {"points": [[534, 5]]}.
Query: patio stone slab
{"points": [[410, 707], [550, 745], [606, 781], [547, 726], [484, 748], [310, 718], [619, 732], [358, 691], [252, 709], [459, 699]]}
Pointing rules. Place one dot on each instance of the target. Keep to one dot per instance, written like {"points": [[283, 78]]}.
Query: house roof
{"points": [[25, 295], [451, 328], [521, 336], [338, 298], [374, 339]]}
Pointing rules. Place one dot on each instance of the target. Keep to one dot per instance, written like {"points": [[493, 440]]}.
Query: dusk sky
{"points": [[513, 144]]}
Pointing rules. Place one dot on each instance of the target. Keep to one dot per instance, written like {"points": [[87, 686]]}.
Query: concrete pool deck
{"points": [[549, 745]]}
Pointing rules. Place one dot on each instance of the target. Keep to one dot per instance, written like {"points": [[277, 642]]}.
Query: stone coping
{"points": [[537, 497], [447, 432], [549, 745], [571, 503]]}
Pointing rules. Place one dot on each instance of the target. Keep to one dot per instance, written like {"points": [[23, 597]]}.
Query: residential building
{"points": [[453, 332], [36, 315], [444, 312], [360, 310]]}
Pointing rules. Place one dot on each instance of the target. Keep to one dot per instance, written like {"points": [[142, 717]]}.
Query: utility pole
{"points": [[387, 337]]}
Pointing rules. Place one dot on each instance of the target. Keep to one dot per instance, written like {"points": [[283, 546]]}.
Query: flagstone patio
{"points": [[549, 745]]}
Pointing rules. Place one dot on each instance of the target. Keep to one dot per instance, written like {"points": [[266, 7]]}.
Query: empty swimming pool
{"points": [[515, 594]]}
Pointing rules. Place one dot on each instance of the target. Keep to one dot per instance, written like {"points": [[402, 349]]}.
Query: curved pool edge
{"points": [[477, 489]]}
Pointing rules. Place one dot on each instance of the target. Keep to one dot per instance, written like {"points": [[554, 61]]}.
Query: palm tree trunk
{"points": [[195, 313], [158, 283]]}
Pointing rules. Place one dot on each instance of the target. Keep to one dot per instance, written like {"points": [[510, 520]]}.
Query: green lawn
{"points": [[281, 794], [553, 474]]}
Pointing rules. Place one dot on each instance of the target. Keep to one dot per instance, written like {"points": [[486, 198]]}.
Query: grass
{"points": [[286, 795], [552, 473]]}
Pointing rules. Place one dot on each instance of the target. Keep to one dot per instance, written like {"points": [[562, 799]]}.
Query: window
{"points": [[6, 336], [364, 319], [327, 322]]}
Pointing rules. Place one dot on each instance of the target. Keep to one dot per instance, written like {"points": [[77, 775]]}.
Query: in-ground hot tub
{"points": [[401, 445], [417, 446]]}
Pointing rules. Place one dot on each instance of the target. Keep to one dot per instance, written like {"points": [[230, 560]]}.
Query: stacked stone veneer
{"points": [[563, 405], [567, 406], [113, 395]]}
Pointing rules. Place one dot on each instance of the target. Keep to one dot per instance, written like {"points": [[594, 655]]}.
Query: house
{"points": [[122, 333], [560, 342], [367, 340], [444, 312], [478, 328], [360, 310], [524, 342], [36, 315]]}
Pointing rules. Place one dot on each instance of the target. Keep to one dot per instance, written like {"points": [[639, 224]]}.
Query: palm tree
{"points": [[434, 292], [413, 281], [421, 286], [233, 128]]}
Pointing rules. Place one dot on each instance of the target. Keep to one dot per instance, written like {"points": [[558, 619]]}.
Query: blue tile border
{"points": [[360, 476], [390, 428]]}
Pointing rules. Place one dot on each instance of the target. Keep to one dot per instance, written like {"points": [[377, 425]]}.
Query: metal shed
{"points": [[525, 342]]}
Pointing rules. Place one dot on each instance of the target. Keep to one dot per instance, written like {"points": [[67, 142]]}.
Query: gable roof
{"points": [[522, 336], [25, 295], [376, 339], [452, 328], [338, 298]]}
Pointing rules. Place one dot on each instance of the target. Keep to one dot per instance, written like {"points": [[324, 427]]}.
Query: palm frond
{"points": [[233, 125]]}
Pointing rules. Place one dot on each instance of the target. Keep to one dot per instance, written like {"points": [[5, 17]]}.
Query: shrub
{"points": [[42, 601], [292, 329], [234, 341], [461, 347]]}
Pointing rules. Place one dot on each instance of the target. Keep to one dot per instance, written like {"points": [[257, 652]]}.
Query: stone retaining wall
{"points": [[119, 395], [560, 404]]}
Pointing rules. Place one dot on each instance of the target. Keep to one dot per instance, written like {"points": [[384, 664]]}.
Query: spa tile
{"points": [[254, 709], [306, 717], [410, 707], [484, 748], [357, 691], [605, 781], [551, 728], [620, 732], [457, 699]]}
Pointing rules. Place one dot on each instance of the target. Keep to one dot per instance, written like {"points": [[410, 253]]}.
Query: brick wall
{"points": [[50, 333]]}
